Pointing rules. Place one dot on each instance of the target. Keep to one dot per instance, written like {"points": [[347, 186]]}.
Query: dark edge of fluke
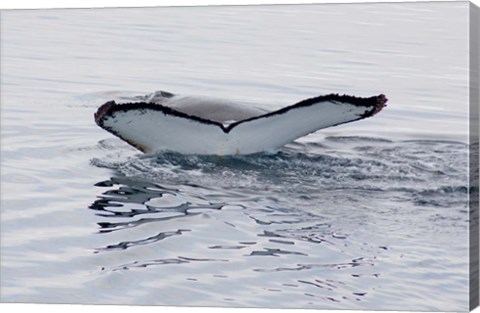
{"points": [[109, 108]]}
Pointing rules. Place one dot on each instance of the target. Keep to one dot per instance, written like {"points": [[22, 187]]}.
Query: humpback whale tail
{"points": [[197, 125]]}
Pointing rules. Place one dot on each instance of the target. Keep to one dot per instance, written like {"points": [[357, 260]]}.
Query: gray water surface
{"points": [[368, 215]]}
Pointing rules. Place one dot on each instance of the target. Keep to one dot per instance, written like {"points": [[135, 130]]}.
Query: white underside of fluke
{"points": [[152, 130]]}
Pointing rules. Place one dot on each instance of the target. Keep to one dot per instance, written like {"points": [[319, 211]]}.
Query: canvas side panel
{"points": [[474, 154]]}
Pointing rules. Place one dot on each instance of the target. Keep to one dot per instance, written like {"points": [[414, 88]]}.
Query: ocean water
{"points": [[369, 215]]}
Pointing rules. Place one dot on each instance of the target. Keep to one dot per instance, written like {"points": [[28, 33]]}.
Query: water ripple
{"points": [[335, 215]]}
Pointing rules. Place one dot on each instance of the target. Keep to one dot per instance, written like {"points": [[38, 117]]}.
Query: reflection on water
{"points": [[317, 221], [133, 198]]}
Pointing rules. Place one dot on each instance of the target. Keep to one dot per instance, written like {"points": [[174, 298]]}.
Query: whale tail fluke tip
{"points": [[381, 103], [102, 111]]}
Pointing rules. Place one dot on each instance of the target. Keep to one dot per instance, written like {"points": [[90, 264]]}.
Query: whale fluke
{"points": [[163, 121]]}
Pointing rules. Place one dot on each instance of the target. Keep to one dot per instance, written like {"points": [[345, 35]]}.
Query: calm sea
{"points": [[368, 215]]}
